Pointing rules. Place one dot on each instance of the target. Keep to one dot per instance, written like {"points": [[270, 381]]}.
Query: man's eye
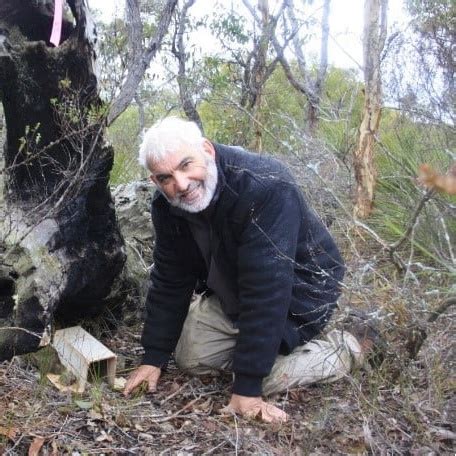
{"points": [[163, 179], [185, 165]]}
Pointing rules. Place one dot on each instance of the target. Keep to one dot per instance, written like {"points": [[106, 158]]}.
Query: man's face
{"points": [[187, 178]]}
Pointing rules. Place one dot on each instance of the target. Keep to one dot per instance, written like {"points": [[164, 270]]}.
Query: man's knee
{"points": [[207, 340], [189, 355], [189, 347], [191, 361]]}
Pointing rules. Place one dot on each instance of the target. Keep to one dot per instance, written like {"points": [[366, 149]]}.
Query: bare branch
{"points": [[140, 58], [323, 67], [416, 213], [418, 336], [311, 90], [178, 49]]}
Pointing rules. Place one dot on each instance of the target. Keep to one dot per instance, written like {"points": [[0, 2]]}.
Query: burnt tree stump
{"points": [[60, 246]]}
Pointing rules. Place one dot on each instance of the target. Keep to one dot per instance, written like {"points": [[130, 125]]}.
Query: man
{"points": [[234, 226]]}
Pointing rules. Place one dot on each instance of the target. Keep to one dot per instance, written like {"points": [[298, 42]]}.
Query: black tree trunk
{"points": [[60, 246]]}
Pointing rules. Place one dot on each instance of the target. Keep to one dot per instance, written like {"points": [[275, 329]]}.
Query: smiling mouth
{"points": [[192, 195]]}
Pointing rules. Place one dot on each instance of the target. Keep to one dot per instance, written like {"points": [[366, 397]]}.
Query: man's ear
{"points": [[209, 148], [153, 179]]}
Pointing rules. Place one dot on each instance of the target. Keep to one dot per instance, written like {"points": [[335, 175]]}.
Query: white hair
{"points": [[167, 136]]}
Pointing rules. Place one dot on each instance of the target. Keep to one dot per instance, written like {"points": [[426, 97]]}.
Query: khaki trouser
{"points": [[208, 341]]}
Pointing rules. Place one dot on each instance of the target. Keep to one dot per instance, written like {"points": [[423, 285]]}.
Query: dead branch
{"points": [[417, 336], [392, 248]]}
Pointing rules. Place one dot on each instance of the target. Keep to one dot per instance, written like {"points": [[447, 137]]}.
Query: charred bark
{"points": [[60, 246]]}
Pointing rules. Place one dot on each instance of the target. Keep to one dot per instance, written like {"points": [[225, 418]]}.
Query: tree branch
{"points": [[421, 204], [178, 49], [418, 336], [140, 58]]}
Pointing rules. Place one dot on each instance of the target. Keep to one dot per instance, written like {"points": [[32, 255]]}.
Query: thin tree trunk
{"points": [[259, 74], [302, 82], [178, 49], [315, 99], [374, 35], [141, 114], [257, 69]]}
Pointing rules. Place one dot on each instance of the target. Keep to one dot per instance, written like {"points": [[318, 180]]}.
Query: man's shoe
{"points": [[365, 328]]}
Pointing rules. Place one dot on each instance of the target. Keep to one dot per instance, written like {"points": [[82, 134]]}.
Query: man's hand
{"points": [[144, 373], [252, 407]]}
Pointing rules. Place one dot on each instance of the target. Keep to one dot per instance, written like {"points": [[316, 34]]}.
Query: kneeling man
{"points": [[233, 227]]}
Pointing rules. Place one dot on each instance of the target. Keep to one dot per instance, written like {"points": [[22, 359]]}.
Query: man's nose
{"points": [[181, 182]]}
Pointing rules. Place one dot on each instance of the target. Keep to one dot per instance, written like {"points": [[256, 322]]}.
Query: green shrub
{"points": [[405, 145]]}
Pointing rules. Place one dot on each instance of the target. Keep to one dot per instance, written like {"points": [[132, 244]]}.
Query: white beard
{"points": [[209, 186]]}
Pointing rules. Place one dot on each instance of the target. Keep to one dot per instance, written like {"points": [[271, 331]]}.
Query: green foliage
{"points": [[283, 111], [125, 169], [434, 23], [223, 121], [405, 146], [112, 51], [341, 111], [123, 135], [230, 27], [433, 15], [217, 74]]}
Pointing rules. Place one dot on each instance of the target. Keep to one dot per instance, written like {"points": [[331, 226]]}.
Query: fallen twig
{"points": [[179, 412], [167, 398]]}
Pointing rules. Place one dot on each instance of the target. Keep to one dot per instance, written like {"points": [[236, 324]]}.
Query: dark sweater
{"points": [[279, 262]]}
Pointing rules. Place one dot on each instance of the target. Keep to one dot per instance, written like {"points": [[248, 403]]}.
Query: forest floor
{"points": [[405, 406]]}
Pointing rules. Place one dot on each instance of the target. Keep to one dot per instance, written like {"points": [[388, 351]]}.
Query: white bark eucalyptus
{"points": [[374, 35]]}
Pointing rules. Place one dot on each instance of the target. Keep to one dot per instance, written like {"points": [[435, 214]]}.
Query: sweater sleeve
{"points": [[172, 283], [265, 280]]}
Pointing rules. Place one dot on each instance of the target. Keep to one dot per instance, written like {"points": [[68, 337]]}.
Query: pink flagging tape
{"points": [[57, 24]]}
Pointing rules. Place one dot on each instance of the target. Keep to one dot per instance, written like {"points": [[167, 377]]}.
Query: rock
{"points": [[133, 202]]}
